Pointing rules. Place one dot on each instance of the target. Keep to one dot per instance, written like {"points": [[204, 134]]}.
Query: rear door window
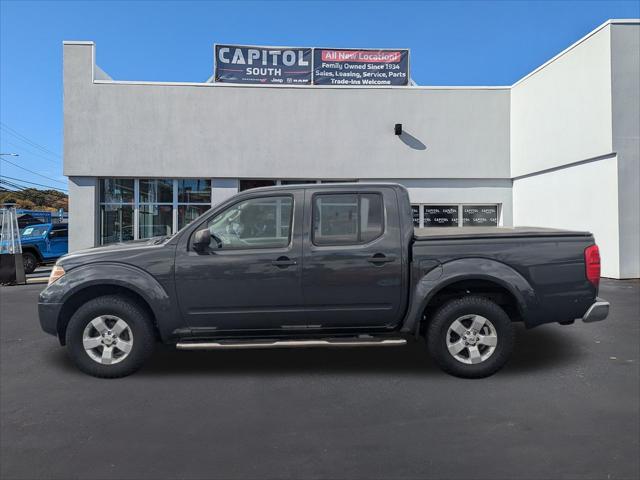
{"points": [[347, 219]]}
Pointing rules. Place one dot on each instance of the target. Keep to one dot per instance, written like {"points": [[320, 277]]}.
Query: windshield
{"points": [[34, 231]]}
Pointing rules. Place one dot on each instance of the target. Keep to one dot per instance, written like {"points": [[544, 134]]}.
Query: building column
{"points": [[223, 188], [83, 206]]}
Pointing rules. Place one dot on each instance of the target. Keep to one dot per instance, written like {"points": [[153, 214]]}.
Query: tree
{"points": [[34, 199]]}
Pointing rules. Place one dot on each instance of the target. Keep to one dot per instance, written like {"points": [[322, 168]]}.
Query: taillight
{"points": [[592, 264]]}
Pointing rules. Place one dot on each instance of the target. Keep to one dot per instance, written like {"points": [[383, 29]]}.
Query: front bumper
{"points": [[599, 310], [48, 314]]}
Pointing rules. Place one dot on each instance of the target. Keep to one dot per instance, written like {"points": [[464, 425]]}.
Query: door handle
{"points": [[380, 258], [283, 262]]}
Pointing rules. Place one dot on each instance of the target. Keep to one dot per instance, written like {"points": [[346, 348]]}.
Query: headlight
{"points": [[56, 273]]}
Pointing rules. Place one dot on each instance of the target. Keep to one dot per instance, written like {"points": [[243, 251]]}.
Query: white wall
{"points": [[561, 112], [580, 197]]}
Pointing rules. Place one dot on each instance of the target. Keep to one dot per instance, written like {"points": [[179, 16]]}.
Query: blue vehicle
{"points": [[43, 243]]}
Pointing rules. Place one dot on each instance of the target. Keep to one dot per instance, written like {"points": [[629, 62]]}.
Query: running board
{"points": [[290, 344]]}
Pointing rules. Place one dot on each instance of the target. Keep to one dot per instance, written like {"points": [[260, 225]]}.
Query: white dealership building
{"points": [[559, 148]]}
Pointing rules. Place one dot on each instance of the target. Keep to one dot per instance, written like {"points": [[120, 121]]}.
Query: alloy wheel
{"points": [[107, 339], [471, 339]]}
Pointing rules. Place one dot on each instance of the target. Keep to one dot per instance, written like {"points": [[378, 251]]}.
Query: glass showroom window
{"points": [[194, 198], [155, 211], [116, 210]]}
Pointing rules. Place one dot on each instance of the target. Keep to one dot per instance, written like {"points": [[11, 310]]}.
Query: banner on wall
{"points": [[245, 64], [360, 67], [262, 65]]}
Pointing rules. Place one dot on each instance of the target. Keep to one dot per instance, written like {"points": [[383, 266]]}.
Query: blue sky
{"points": [[452, 43]]}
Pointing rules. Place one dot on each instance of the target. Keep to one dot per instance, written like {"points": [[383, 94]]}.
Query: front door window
{"points": [[254, 223]]}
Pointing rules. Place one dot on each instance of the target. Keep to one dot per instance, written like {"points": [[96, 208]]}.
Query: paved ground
{"points": [[567, 406], [40, 273]]}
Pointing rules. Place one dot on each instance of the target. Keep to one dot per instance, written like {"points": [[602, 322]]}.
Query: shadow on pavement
{"points": [[538, 349]]}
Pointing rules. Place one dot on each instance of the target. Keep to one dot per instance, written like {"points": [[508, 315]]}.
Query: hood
{"points": [[121, 252]]}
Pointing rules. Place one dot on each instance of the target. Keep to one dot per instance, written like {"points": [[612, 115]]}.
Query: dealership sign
{"points": [[360, 67], [262, 65], [306, 66]]}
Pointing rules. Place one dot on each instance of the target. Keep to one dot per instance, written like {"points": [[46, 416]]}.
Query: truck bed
{"points": [[439, 233]]}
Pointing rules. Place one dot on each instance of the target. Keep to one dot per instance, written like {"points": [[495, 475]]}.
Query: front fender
{"points": [[426, 286], [122, 275]]}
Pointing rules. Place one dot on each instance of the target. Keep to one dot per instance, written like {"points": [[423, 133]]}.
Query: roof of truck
{"points": [[433, 233], [331, 184]]}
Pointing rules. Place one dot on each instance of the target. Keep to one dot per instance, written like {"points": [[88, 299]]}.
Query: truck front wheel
{"points": [[470, 337], [110, 336]]}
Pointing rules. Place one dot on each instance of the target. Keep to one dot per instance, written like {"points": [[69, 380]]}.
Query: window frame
{"points": [[288, 246], [133, 205], [357, 194], [177, 203]]}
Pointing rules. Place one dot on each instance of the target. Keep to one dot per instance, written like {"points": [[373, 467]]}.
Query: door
{"points": [[58, 242], [249, 278], [352, 274]]}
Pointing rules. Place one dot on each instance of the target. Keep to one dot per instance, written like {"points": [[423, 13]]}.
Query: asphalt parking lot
{"points": [[566, 406]]}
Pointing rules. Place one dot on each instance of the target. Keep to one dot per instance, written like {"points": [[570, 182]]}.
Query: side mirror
{"points": [[201, 240]]}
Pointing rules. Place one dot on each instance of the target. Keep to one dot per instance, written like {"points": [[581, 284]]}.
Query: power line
{"points": [[32, 183], [30, 152], [6, 185], [26, 139], [31, 171]]}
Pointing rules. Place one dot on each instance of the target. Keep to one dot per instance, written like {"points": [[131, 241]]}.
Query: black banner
{"points": [[360, 67], [480, 215], [262, 65], [440, 215]]}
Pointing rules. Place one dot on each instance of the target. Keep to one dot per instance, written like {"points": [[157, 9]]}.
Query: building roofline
{"points": [[311, 87], [621, 21], [633, 21]]}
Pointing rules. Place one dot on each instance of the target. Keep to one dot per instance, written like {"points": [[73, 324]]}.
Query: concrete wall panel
{"points": [[625, 62], [581, 197], [234, 131], [83, 222], [561, 113]]}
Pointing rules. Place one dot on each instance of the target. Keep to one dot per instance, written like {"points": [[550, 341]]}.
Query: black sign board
{"points": [[480, 215], [360, 67], [415, 210], [262, 65], [440, 215]]}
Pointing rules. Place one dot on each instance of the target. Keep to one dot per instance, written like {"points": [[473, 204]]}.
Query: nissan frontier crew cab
{"points": [[320, 265]]}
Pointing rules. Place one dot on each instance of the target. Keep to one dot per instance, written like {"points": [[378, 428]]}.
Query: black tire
{"points": [[30, 262], [438, 334], [141, 329]]}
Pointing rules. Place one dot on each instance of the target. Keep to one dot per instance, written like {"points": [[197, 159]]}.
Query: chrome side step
{"points": [[390, 342]]}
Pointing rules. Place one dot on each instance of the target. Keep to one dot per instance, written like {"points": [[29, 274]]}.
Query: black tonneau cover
{"points": [[437, 233]]}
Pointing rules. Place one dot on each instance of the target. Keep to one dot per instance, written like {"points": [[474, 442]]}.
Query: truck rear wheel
{"points": [[29, 261], [109, 337], [470, 337]]}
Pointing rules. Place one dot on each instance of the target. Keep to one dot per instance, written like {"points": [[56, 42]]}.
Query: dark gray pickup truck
{"points": [[322, 265]]}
